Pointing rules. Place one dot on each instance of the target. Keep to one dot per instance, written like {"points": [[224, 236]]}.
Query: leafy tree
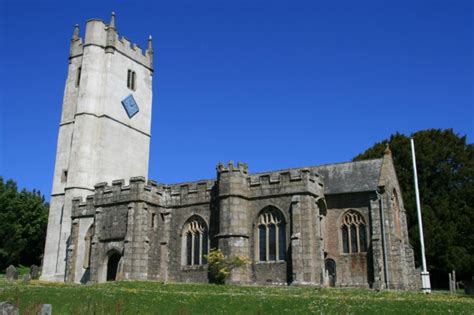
{"points": [[23, 221], [445, 165]]}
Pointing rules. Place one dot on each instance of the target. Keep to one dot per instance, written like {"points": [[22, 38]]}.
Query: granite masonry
{"points": [[338, 225]]}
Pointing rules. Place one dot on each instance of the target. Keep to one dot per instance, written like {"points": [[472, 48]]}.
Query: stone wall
{"points": [[144, 222]]}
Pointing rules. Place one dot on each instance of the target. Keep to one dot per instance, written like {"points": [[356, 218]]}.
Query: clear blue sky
{"points": [[275, 84]]}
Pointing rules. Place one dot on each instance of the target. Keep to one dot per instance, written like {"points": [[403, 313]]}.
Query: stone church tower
{"points": [[104, 133]]}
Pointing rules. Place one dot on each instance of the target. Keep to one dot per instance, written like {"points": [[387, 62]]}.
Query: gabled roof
{"points": [[351, 176]]}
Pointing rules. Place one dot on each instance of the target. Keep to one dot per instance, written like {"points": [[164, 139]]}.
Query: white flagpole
{"points": [[425, 275]]}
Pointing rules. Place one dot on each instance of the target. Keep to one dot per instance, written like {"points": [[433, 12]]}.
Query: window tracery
{"points": [[271, 239], [354, 233], [195, 239]]}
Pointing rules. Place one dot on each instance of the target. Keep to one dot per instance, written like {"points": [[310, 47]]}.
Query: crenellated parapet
{"points": [[141, 190], [138, 189], [189, 193], [292, 181], [83, 208], [241, 168], [100, 34], [236, 180], [285, 177]]}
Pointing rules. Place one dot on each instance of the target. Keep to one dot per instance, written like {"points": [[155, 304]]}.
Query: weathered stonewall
{"points": [[34, 272], [11, 273], [8, 309], [46, 309]]}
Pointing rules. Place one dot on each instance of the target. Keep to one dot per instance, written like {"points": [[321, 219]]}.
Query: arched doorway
{"points": [[112, 266], [330, 266]]}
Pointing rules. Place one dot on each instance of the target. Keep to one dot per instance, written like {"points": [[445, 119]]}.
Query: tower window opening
{"points": [[78, 76], [131, 80], [64, 176], [153, 220]]}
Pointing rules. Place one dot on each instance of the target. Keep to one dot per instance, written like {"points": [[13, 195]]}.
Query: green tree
{"points": [[23, 221], [445, 165]]}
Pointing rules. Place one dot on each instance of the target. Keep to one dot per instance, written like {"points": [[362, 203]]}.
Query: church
{"points": [[341, 224]]}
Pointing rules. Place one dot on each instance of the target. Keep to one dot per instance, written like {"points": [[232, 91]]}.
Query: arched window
{"points": [[195, 242], [271, 235], [354, 233]]}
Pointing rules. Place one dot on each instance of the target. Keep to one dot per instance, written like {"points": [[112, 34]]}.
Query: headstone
{"points": [[8, 309], [469, 287], [26, 278], [11, 273], [34, 272], [46, 309]]}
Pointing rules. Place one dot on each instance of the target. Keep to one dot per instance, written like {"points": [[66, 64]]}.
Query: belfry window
{"points": [[131, 80], [78, 76], [271, 235], [354, 233], [195, 242]]}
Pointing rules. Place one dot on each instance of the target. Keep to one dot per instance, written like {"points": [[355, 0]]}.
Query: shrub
{"points": [[220, 267]]}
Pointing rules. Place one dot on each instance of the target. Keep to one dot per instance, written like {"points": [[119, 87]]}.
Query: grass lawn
{"points": [[156, 298]]}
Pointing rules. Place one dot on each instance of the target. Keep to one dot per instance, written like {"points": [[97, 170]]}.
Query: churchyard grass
{"points": [[156, 298]]}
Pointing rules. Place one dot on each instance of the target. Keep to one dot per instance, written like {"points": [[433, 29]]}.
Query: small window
{"points": [[64, 176], [78, 76], [131, 80], [153, 220], [354, 233]]}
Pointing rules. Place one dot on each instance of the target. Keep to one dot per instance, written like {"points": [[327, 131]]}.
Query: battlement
{"points": [[231, 167], [284, 177], [81, 207], [99, 33], [132, 50], [139, 188], [190, 188], [136, 184]]}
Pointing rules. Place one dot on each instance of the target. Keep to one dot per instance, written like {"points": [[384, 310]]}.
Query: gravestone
{"points": [[34, 272], [11, 273], [46, 309], [26, 278], [469, 287], [8, 309]]}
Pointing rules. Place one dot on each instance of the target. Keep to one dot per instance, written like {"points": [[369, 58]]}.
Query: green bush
{"points": [[220, 267]]}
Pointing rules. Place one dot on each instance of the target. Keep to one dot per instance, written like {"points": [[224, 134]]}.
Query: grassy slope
{"points": [[157, 298]]}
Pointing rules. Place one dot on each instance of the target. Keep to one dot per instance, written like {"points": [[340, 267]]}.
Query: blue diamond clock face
{"points": [[131, 107]]}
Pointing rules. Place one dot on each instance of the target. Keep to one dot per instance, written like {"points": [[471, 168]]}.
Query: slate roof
{"points": [[350, 177]]}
